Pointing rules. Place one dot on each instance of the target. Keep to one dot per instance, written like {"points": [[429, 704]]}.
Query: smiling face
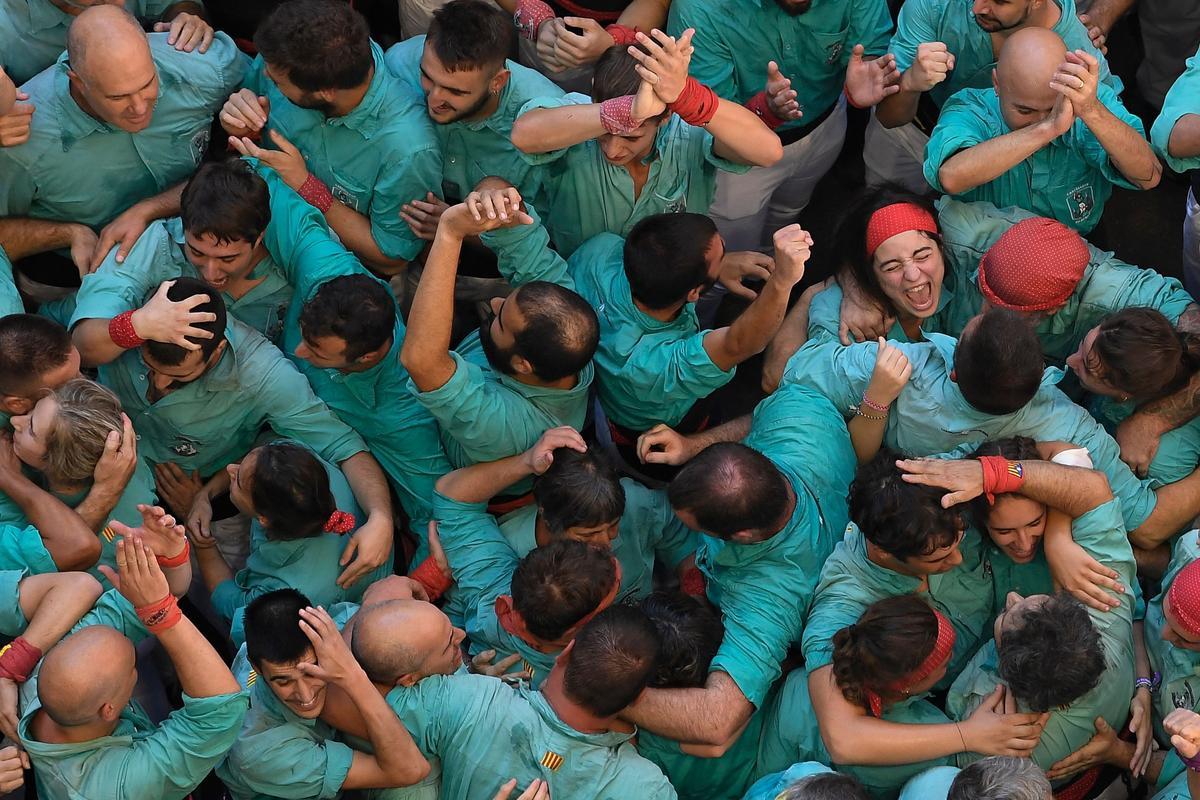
{"points": [[1001, 15], [941, 560], [165, 378], [221, 263], [303, 694], [121, 87], [1017, 525], [30, 432], [453, 95], [910, 269]]}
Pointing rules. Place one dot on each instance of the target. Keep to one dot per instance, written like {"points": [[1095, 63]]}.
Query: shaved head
{"points": [[85, 671], [401, 638], [107, 32], [113, 76], [1027, 62]]}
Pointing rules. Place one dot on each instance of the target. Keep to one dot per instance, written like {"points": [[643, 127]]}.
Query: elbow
{"points": [[1155, 177], [82, 557], [523, 135], [951, 182], [839, 746], [413, 772], [770, 153], [1144, 539]]}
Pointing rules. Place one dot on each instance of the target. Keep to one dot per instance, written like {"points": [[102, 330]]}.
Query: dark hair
{"points": [[558, 584], [900, 518], [1015, 448], [290, 489], [172, 355], [30, 346], [998, 365], [579, 489], [825, 786], [1000, 778], [561, 330], [689, 635], [665, 257], [320, 44], [613, 659], [1142, 354], [1051, 655], [272, 627], [614, 76], [228, 200], [890, 640], [357, 309], [730, 487], [471, 34], [850, 239]]}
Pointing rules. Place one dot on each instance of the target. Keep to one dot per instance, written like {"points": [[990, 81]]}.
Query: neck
{"points": [[348, 99], [487, 109], [369, 362], [911, 327], [47, 730], [660, 314], [530, 379], [64, 487], [567, 710]]}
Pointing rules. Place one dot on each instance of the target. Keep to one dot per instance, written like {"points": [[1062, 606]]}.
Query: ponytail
{"points": [[890, 640]]}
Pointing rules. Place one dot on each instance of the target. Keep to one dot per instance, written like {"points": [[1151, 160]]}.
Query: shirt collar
{"points": [[366, 116], [542, 707], [73, 122], [44, 15]]}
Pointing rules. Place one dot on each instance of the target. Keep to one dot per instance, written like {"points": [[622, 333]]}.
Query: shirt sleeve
{"points": [[840, 373], [524, 254], [119, 287], [276, 762], [672, 540], [12, 617], [407, 178], [17, 187], [1182, 99], [834, 607], [679, 368], [10, 298], [1114, 285], [914, 27], [481, 559], [870, 26], [962, 124], [22, 549]]}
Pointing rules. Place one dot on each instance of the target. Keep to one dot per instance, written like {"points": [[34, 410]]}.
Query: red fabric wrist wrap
{"points": [[339, 522], [430, 575], [692, 582], [616, 115], [161, 616], [316, 193], [17, 660], [759, 105], [1000, 476], [622, 34], [529, 17], [120, 330], [176, 560], [696, 104]]}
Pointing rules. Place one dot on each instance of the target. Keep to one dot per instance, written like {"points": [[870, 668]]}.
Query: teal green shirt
{"points": [[486, 416], [770, 787], [952, 23], [75, 168], [21, 548], [765, 589], [33, 33], [140, 489], [1069, 179], [850, 582], [476, 149], [649, 371], [214, 420], [931, 416], [1177, 788], [139, 758], [735, 41], [1178, 451], [589, 195], [486, 733], [12, 618], [10, 298], [696, 778], [378, 157], [933, 784], [1069, 729], [1182, 99]]}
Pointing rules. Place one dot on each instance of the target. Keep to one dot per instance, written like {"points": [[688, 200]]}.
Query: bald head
{"points": [[1028, 61], [113, 77], [398, 638], [104, 32], [84, 672]]}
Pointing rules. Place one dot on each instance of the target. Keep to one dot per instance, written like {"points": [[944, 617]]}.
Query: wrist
{"points": [[908, 83], [877, 400]]}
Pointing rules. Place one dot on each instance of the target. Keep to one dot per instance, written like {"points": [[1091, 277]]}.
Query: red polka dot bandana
{"points": [[1184, 595], [1034, 266], [895, 219]]}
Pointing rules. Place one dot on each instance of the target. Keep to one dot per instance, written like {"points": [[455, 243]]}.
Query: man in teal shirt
{"points": [[36, 354], [84, 734], [1049, 137], [1175, 136], [10, 298], [329, 104], [123, 160], [473, 94]]}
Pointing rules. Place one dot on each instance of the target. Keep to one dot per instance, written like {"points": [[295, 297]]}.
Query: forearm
{"points": [[1184, 141], [1176, 409], [183, 7], [986, 161], [96, 509], [645, 15], [201, 671], [709, 716], [740, 136], [750, 333], [24, 237], [1128, 150], [735, 430], [791, 336], [1071, 490], [354, 230], [71, 543], [866, 434], [1105, 13], [395, 751], [898, 109], [544, 129], [426, 350], [1177, 504], [162, 205], [95, 344], [369, 485], [53, 603], [479, 483], [213, 569]]}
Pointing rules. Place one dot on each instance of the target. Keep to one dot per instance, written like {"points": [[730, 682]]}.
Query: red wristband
{"points": [[529, 17], [430, 575], [696, 104], [1000, 476], [622, 34], [161, 616], [616, 115], [692, 582], [316, 193], [759, 105], [120, 330], [17, 660], [176, 560], [850, 99]]}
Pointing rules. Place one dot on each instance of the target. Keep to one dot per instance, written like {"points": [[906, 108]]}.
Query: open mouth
{"points": [[920, 297]]}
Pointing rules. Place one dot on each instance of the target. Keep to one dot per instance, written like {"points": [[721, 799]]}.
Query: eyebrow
{"points": [[500, 313], [153, 78]]}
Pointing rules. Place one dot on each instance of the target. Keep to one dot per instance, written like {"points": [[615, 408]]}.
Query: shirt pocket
{"points": [[351, 192]]}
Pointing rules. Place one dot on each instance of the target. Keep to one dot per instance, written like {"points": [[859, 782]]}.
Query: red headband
{"points": [[939, 655], [1184, 595], [897, 218]]}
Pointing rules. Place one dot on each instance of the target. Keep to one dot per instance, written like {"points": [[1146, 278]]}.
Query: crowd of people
{"points": [[365, 427]]}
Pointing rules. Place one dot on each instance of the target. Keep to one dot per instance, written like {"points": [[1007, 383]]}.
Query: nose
{"points": [[161, 381], [1024, 541], [459, 635], [911, 272]]}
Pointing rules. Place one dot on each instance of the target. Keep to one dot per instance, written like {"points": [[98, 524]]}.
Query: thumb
{"points": [[773, 71], [1102, 725], [265, 103], [857, 53]]}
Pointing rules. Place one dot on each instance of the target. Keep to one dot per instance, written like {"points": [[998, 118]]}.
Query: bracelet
{"points": [[177, 560], [616, 115], [759, 105], [622, 34], [161, 616], [849, 99], [17, 660], [697, 104], [120, 330], [529, 16], [1151, 684], [1192, 763], [871, 404], [431, 576], [858, 411], [316, 193], [960, 737]]}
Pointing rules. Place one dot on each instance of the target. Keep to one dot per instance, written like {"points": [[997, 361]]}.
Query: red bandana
{"points": [[1034, 266], [897, 218], [939, 655]]}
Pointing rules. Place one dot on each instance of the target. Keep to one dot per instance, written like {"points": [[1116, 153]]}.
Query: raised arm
{"points": [[663, 445], [1177, 505], [124, 231], [479, 483], [159, 319]]}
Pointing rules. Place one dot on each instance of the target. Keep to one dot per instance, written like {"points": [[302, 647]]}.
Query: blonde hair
{"points": [[87, 413]]}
